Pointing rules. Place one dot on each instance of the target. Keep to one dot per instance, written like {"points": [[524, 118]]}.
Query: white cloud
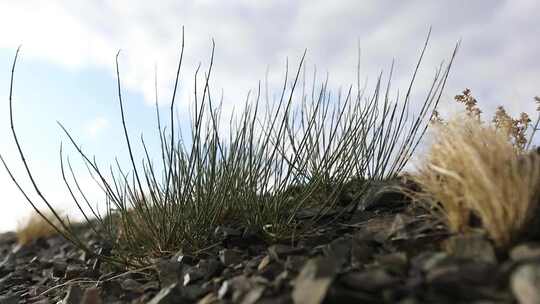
{"points": [[497, 52], [96, 126], [251, 36]]}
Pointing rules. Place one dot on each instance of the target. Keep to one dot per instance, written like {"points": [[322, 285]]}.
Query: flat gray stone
{"points": [[371, 280], [473, 246], [525, 251], [525, 283], [314, 280], [169, 295]]}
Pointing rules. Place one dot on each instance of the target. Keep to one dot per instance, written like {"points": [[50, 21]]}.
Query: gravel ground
{"points": [[386, 252]]}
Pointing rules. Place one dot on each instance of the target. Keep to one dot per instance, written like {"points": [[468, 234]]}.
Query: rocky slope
{"points": [[387, 253]]}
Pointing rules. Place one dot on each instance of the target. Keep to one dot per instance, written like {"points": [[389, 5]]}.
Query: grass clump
{"points": [[480, 174], [279, 157], [35, 226]]}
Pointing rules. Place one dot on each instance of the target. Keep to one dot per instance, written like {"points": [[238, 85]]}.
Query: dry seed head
{"points": [[436, 118], [524, 119], [520, 128], [470, 104], [513, 129], [503, 121]]}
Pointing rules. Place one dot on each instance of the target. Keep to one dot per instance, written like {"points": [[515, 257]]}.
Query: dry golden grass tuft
{"points": [[34, 227], [473, 170]]}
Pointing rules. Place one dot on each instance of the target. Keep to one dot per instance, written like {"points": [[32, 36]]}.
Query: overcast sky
{"points": [[66, 69]]}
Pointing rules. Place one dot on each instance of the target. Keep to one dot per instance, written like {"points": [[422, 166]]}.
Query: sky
{"points": [[66, 69]]}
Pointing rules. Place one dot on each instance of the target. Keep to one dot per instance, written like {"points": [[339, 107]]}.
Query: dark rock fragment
{"points": [[279, 251], [192, 275], [241, 289], [396, 262], [473, 246], [8, 238], [132, 285], [211, 267], [169, 272], [370, 280], [9, 298], [92, 296], [171, 294], [295, 262], [73, 271], [227, 234], [230, 256], [526, 251], [59, 268], [184, 259], [339, 250], [73, 296]]}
